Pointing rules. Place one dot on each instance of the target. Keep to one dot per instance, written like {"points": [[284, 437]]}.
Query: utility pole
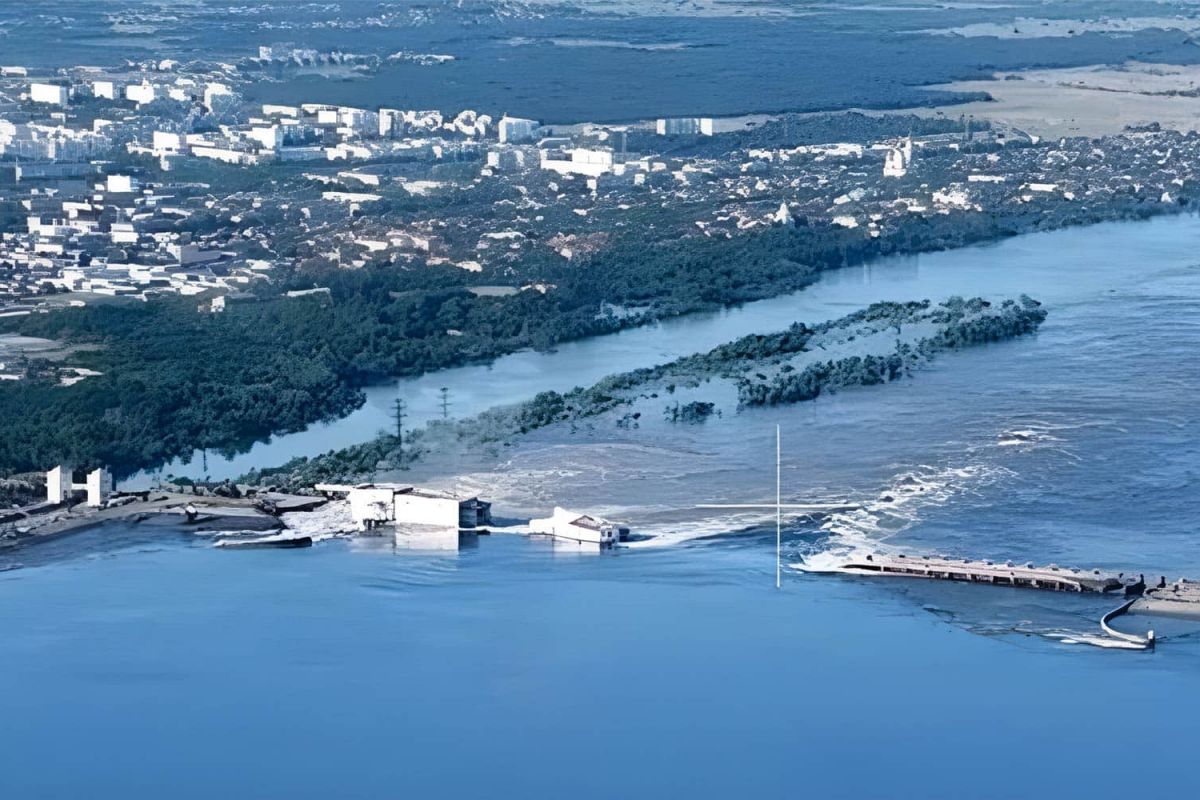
{"points": [[399, 412], [445, 394]]}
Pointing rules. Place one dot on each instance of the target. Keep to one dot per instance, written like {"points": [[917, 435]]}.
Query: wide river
{"points": [[144, 664]]}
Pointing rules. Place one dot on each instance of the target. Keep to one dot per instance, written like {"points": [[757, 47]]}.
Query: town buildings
{"points": [[159, 178], [686, 126]]}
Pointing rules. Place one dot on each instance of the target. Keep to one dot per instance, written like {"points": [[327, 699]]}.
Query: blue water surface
{"points": [[142, 663], [169, 670]]}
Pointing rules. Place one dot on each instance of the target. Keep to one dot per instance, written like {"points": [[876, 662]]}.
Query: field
{"points": [[613, 61], [1088, 101]]}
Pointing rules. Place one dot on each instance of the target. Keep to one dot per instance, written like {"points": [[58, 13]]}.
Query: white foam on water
{"points": [[674, 533], [1045, 435], [904, 502], [910, 496], [898, 507], [913, 493], [577, 476], [1090, 639], [324, 522], [1016, 438]]}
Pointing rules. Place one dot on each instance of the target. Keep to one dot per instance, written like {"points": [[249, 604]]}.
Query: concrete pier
{"points": [[1051, 577], [1179, 599]]}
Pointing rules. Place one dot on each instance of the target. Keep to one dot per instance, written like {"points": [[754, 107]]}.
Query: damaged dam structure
{"points": [[1180, 599]]}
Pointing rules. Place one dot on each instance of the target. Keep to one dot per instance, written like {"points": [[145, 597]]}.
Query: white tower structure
{"points": [[898, 159], [58, 484], [99, 487]]}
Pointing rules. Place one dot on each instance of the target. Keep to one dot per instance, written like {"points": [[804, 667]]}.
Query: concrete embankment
{"points": [[196, 513]]}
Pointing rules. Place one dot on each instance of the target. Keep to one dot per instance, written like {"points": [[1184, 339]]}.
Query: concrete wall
{"points": [[416, 509], [371, 507], [99, 487], [58, 484]]}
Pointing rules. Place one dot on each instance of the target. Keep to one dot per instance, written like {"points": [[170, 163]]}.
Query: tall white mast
{"points": [[778, 508]]}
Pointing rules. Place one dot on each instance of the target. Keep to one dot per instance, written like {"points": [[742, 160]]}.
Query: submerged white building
{"points": [[375, 505], [577, 527]]}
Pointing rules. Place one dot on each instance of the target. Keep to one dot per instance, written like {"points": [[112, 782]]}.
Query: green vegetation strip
{"points": [[954, 324]]}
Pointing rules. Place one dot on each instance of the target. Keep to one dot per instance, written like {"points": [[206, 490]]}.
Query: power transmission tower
{"points": [[399, 412], [445, 401]]}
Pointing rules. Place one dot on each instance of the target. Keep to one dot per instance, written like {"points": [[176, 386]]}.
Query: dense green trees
{"points": [[962, 323], [959, 323], [175, 379], [690, 413]]}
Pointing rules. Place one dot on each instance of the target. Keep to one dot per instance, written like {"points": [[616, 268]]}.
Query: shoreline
{"points": [[177, 510], [876, 345], [140, 478]]}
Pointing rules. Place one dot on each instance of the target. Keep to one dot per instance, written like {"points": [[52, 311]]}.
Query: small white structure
{"points": [[898, 159], [123, 233], [104, 90], [516, 129], [49, 93], [167, 143], [419, 507], [99, 487], [783, 216], [506, 159], [140, 93], [215, 94], [371, 507], [375, 505], [189, 253], [119, 184], [591, 162], [684, 126], [292, 112], [579, 527], [269, 136]]}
